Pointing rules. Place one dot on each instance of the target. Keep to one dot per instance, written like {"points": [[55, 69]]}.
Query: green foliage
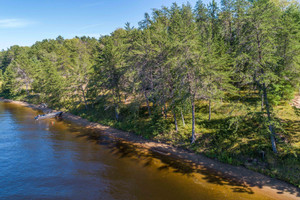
{"points": [[214, 75]]}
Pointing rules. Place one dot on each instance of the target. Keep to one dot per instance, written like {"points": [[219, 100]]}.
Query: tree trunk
{"points": [[84, 98], [262, 101], [182, 117], [116, 112], [148, 105], [175, 121], [209, 115], [193, 121], [27, 89], [165, 111], [271, 128]]}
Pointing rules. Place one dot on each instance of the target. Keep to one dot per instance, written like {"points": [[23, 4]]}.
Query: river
{"points": [[52, 159]]}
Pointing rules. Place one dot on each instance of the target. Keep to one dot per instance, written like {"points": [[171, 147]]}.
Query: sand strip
{"points": [[271, 187]]}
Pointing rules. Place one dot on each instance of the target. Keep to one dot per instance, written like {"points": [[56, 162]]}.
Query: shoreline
{"points": [[260, 183]]}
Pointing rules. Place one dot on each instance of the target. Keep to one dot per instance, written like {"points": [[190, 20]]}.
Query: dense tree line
{"points": [[176, 57]]}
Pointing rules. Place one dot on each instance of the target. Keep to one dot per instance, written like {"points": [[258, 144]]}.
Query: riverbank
{"points": [[273, 188]]}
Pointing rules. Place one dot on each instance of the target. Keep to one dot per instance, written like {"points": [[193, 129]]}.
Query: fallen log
{"points": [[49, 115]]}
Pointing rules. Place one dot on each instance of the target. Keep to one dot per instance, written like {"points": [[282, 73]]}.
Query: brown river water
{"points": [[52, 159]]}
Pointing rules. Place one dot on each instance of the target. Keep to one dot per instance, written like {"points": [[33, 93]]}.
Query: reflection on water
{"points": [[49, 159]]}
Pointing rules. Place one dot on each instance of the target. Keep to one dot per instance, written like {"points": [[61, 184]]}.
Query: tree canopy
{"points": [[178, 56]]}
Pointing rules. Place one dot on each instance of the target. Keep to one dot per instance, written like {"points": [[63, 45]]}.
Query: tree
{"points": [[111, 66], [20, 69], [259, 39]]}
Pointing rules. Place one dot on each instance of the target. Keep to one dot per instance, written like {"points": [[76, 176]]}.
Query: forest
{"points": [[215, 79]]}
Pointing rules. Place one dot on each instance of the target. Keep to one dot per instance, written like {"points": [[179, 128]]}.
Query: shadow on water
{"points": [[148, 158], [252, 179], [123, 149]]}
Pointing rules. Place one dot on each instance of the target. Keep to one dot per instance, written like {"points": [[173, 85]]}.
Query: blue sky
{"points": [[23, 22]]}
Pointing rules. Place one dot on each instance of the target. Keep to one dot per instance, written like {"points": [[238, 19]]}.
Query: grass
{"points": [[237, 133]]}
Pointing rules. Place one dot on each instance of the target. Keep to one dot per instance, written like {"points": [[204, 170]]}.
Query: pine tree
{"points": [[259, 38]]}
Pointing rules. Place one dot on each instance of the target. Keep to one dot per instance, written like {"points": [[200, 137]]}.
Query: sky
{"points": [[23, 22]]}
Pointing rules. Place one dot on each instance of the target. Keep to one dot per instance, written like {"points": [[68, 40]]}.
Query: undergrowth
{"points": [[237, 133]]}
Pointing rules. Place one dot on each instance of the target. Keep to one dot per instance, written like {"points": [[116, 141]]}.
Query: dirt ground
{"points": [[271, 187], [296, 101]]}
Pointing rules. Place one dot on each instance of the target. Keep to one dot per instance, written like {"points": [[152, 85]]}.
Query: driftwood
{"points": [[49, 115]]}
